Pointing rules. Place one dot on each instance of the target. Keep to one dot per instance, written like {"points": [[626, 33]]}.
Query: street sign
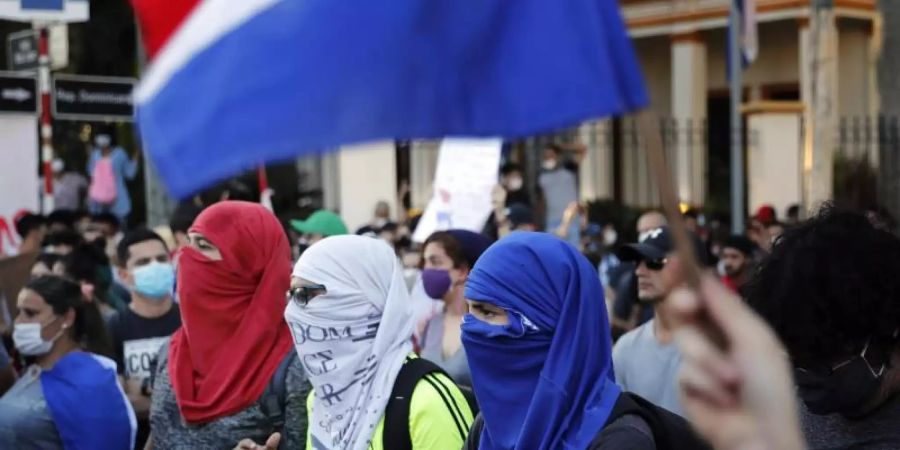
{"points": [[18, 94], [66, 11], [22, 50], [77, 97]]}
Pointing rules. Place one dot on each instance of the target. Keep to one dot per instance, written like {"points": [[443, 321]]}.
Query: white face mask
{"points": [[28, 341], [514, 184], [102, 140], [549, 164], [610, 237]]}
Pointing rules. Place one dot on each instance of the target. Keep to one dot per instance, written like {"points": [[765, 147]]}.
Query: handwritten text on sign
{"points": [[466, 173]]}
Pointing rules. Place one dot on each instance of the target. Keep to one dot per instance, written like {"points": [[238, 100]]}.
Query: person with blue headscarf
{"points": [[539, 348]]}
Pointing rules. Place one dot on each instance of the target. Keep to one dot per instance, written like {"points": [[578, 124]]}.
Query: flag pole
{"points": [[46, 117], [737, 134], [691, 271]]}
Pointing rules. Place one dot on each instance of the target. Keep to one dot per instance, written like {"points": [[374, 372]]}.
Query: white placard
{"points": [[19, 181], [466, 173], [140, 356]]}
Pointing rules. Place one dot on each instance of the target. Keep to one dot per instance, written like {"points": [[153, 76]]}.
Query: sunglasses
{"points": [[656, 264], [303, 294]]}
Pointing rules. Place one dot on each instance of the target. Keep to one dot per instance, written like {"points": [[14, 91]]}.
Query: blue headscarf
{"points": [[546, 379]]}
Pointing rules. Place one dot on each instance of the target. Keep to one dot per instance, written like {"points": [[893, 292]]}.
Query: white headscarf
{"points": [[352, 340]]}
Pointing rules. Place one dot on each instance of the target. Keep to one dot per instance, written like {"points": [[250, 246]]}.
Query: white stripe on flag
{"points": [[209, 21], [749, 38]]}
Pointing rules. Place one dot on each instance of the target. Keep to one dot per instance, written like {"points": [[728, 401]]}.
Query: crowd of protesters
{"points": [[231, 328]]}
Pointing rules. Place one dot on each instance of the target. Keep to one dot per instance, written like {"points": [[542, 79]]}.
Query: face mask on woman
{"points": [[436, 282], [28, 340]]}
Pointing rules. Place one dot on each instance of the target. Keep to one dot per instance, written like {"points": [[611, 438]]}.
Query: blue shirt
{"points": [[123, 168]]}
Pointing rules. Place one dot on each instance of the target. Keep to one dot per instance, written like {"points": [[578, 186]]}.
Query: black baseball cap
{"points": [[656, 245]]}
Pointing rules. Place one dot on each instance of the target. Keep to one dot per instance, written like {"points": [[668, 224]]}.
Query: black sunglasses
{"points": [[656, 264], [303, 294]]}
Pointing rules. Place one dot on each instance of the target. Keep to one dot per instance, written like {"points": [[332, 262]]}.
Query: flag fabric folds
{"points": [[88, 406], [239, 83], [748, 39]]}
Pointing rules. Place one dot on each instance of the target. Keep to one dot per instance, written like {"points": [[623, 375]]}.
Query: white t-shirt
{"points": [[647, 368]]}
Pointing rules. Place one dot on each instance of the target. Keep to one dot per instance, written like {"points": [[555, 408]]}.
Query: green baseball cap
{"points": [[321, 222]]}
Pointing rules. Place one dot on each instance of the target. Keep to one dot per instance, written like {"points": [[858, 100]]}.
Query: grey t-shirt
{"points": [[648, 368], [560, 188], [171, 432], [25, 420], [877, 431], [432, 349]]}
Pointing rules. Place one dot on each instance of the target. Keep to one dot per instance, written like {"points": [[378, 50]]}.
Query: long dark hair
{"points": [[62, 295], [451, 246]]}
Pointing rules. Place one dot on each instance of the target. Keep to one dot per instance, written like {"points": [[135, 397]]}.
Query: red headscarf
{"points": [[234, 335]]}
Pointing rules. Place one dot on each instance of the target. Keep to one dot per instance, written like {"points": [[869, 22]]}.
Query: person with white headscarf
{"points": [[352, 322]]}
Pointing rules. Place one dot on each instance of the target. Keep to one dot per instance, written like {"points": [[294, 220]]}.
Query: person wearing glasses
{"points": [[831, 292], [229, 372], [646, 358], [352, 322]]}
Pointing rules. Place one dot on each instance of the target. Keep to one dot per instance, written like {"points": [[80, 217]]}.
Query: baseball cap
{"points": [[321, 222], [656, 245]]}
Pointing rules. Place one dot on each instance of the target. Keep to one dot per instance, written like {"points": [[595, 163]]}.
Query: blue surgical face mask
{"points": [[155, 280]]}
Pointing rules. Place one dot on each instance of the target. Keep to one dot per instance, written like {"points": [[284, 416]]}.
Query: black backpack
{"points": [[274, 398], [670, 431], [396, 415]]}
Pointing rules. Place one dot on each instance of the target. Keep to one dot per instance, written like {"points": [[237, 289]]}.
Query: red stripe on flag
{"points": [[159, 19]]}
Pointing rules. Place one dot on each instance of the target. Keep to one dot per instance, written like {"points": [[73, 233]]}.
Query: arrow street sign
{"points": [[77, 97], [22, 50], [18, 94]]}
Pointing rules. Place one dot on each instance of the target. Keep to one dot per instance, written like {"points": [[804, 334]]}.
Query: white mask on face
{"points": [[610, 237], [102, 140], [549, 164], [28, 340], [514, 184]]}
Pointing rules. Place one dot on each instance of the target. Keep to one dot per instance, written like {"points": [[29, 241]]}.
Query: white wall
{"points": [[774, 171], [655, 57], [19, 182], [854, 69], [368, 174]]}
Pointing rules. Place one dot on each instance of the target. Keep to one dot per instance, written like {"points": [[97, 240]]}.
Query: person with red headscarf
{"points": [[229, 372]]}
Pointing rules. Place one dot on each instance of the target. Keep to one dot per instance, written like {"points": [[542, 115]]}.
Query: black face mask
{"points": [[846, 389]]}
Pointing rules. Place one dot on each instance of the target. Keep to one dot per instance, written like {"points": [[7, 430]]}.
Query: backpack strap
{"points": [[670, 431], [396, 415], [274, 399], [473, 440]]}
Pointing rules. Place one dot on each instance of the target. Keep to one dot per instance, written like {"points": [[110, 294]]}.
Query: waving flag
{"points": [[236, 83], [89, 407], [748, 41]]}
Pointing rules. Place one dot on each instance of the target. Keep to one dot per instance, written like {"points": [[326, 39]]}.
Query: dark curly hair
{"points": [[829, 285]]}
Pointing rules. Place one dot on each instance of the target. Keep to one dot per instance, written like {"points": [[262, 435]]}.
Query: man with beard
{"points": [[737, 262]]}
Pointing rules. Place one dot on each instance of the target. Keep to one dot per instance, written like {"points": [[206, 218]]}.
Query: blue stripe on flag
{"points": [[89, 408], [302, 77]]}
